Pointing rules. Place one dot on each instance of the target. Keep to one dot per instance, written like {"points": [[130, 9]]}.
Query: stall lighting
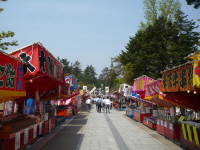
{"points": [[31, 81], [188, 91], [195, 92]]}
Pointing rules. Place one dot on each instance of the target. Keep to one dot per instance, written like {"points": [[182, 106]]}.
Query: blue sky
{"points": [[91, 31]]}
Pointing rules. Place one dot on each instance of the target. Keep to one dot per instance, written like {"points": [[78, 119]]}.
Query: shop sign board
{"points": [[153, 88], [11, 78], [39, 61], [178, 79], [11, 73], [141, 82]]}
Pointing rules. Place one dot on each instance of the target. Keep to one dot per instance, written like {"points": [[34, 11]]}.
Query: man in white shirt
{"points": [[107, 103], [88, 102]]}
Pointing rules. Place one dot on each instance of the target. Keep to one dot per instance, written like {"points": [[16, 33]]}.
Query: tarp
{"points": [[178, 78], [11, 78], [43, 72]]}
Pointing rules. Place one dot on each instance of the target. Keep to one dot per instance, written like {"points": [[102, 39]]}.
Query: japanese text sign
{"points": [[39, 61], [178, 79], [153, 88], [141, 82], [11, 73]]}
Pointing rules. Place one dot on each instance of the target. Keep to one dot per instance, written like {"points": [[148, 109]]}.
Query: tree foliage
{"points": [[161, 45], [76, 69], [153, 9], [4, 35], [196, 3], [89, 75], [67, 67]]}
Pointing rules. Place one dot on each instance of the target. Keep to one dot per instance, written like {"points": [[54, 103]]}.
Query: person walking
{"points": [[88, 102], [107, 104], [96, 103], [99, 104], [103, 105]]}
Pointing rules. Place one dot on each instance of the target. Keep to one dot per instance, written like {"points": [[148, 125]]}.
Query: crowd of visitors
{"points": [[103, 104]]}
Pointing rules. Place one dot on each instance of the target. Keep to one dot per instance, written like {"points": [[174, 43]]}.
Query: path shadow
{"points": [[70, 137]]}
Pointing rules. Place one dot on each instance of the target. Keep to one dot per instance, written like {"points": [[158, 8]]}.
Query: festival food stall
{"points": [[11, 89], [43, 76], [181, 88], [139, 89], [71, 103], [164, 114]]}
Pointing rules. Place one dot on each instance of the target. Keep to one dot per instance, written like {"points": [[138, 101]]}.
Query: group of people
{"points": [[103, 104]]}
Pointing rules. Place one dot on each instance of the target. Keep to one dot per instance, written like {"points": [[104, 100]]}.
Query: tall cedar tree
{"points": [[89, 75], [196, 3], [4, 35], [162, 45]]}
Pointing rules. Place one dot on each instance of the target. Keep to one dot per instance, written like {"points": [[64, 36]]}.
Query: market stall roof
{"points": [[153, 94], [11, 78], [140, 83], [43, 72], [142, 100], [178, 86]]}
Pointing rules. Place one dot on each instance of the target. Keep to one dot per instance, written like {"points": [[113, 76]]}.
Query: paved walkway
{"points": [[101, 131]]}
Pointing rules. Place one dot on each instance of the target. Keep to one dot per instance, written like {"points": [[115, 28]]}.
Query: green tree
{"points": [[153, 9], [76, 69], [160, 46], [196, 3], [89, 75], [67, 67], [104, 76], [4, 35]]}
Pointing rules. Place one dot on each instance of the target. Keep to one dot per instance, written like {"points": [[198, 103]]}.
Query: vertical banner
{"points": [[17, 140], [35, 131], [49, 125], [40, 128], [26, 136]]}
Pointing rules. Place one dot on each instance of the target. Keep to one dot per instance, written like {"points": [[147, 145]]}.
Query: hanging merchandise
{"points": [[30, 106]]}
